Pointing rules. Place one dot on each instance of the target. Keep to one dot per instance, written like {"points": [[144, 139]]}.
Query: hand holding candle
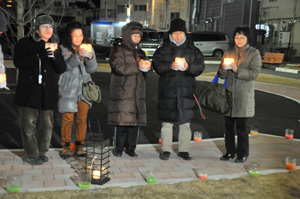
{"points": [[228, 64], [86, 50], [179, 63], [51, 46], [144, 65]]}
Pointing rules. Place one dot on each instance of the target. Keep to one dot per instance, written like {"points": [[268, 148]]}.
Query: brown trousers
{"points": [[81, 125]]}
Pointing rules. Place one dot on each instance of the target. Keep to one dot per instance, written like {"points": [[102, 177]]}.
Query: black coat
{"points": [[176, 88], [29, 92], [127, 104]]}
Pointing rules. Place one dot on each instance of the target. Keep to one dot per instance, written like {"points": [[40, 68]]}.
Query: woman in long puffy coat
{"points": [[127, 105], [240, 81], [80, 64], [176, 87]]}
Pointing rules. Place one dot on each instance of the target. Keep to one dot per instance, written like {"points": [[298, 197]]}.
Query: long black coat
{"points": [[26, 58], [127, 105], [176, 88]]}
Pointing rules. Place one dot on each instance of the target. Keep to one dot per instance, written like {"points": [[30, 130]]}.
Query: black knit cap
{"points": [[177, 25]]}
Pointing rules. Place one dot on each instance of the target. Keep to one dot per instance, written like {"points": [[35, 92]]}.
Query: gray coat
{"points": [[241, 84], [70, 83]]}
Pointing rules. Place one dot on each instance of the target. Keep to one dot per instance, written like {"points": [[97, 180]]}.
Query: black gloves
{"points": [[44, 53]]}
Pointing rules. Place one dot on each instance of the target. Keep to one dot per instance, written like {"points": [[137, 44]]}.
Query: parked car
{"points": [[149, 43], [211, 43]]}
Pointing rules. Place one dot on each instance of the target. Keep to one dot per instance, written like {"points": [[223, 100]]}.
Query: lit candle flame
{"points": [[87, 47], [179, 60], [2, 78], [228, 61], [52, 46]]}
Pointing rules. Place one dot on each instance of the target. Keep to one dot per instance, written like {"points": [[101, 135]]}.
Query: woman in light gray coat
{"points": [[240, 81], [80, 64]]}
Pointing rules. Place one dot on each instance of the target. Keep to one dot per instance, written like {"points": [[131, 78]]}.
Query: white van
{"points": [[211, 43]]}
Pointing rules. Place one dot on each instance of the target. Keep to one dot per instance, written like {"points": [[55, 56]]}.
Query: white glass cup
{"points": [[84, 181], [289, 133], [197, 136], [290, 163], [151, 179], [13, 183], [254, 169], [253, 130]]}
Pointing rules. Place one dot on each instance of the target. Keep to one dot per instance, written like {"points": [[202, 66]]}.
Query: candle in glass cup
{"points": [[13, 183], [253, 130], [96, 175], [289, 134], [52, 46], [202, 176], [290, 163], [228, 61], [201, 173], [87, 47], [180, 62], [151, 179], [254, 169], [197, 136]]}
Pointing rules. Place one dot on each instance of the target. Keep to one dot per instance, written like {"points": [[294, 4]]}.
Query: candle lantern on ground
{"points": [[97, 153]]}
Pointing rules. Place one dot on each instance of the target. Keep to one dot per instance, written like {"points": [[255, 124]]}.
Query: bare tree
{"points": [[20, 18]]}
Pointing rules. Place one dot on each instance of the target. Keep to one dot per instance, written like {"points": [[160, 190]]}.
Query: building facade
{"points": [[281, 20], [155, 14]]}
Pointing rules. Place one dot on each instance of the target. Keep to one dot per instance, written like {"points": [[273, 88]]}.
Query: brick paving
{"points": [[268, 151]]}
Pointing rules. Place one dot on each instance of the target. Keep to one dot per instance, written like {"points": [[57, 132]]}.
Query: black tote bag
{"points": [[214, 96]]}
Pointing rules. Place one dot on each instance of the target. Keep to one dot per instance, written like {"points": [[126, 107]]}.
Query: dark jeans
{"points": [[36, 130], [126, 137], [241, 127]]}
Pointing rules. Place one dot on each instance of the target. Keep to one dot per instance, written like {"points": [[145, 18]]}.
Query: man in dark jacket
{"points": [[127, 105], [177, 63], [37, 89]]}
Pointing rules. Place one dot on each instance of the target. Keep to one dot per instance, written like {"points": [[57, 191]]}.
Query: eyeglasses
{"points": [[46, 27]]}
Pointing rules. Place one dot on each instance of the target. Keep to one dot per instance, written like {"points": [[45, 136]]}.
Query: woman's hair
{"points": [[245, 31], [66, 35]]}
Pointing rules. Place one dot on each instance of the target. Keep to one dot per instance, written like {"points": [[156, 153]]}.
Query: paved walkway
{"points": [[57, 174]]}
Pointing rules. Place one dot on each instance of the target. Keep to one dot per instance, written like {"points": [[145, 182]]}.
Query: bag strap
{"points": [[80, 70], [216, 80], [201, 112]]}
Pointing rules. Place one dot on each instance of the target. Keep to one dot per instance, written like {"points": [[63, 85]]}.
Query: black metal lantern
{"points": [[97, 153]]}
